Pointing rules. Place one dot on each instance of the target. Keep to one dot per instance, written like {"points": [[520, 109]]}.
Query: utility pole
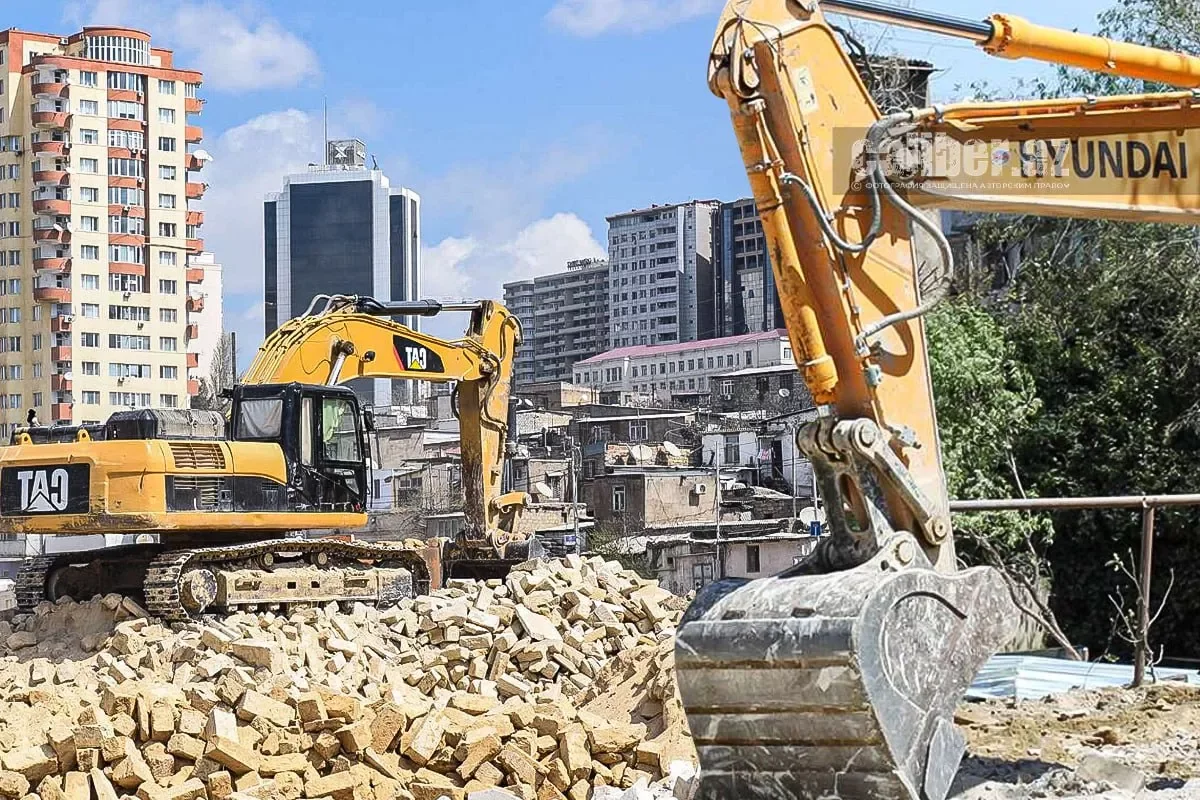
{"points": [[574, 494], [792, 430], [717, 497], [233, 357]]}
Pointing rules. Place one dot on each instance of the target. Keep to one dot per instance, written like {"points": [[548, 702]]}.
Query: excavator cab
{"points": [[321, 432]]}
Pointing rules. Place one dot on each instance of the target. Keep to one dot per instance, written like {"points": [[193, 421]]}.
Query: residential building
{"points": [[564, 318], [557, 395], [745, 297], [684, 371], [773, 390], [629, 500], [205, 309], [660, 265], [99, 161], [341, 228], [686, 562]]}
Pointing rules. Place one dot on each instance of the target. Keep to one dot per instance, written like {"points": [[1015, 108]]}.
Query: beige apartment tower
{"points": [[99, 175]]}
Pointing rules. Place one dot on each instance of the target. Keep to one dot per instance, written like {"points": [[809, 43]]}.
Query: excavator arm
{"points": [[341, 338], [839, 677]]}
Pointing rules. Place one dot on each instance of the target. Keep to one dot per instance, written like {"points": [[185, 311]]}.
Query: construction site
{"points": [[926, 534]]}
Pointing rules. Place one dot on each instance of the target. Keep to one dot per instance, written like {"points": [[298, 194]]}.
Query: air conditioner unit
{"points": [[141, 181], [700, 488], [63, 41], [120, 381], [67, 318], [127, 295], [125, 209], [141, 325]]}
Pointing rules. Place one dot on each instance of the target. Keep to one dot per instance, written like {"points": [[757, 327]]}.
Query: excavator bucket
{"points": [[841, 685]]}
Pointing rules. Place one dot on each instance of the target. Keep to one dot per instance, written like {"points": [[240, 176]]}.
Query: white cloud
{"points": [[235, 48], [442, 274], [594, 17]]}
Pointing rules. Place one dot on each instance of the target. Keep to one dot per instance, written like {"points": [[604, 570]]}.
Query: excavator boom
{"points": [[839, 677]]}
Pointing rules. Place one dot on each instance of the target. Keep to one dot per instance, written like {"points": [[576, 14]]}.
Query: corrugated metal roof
{"points": [[1035, 677]]}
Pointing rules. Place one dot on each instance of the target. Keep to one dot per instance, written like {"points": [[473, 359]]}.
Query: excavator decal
{"points": [[44, 490], [416, 357]]}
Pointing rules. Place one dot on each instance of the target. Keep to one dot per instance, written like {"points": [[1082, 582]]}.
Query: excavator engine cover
{"points": [[836, 685]]}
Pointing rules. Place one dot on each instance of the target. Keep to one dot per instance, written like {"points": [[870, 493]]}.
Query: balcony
{"points": [[56, 148], [195, 274], [115, 210], [192, 134], [60, 412], [52, 264], [60, 353], [60, 324], [195, 246], [52, 294], [60, 383], [124, 182], [56, 234], [126, 238], [127, 95], [55, 87], [193, 360], [195, 218], [52, 205], [195, 303], [115, 124], [193, 386], [191, 331], [52, 177], [51, 119], [196, 190], [193, 163], [192, 105]]}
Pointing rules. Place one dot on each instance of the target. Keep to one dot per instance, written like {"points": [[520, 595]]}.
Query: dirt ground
{"points": [[1033, 748]]}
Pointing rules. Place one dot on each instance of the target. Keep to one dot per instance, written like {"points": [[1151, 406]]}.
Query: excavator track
{"points": [[178, 585]]}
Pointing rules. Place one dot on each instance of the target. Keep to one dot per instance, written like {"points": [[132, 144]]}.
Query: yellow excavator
{"points": [[839, 677], [226, 498]]}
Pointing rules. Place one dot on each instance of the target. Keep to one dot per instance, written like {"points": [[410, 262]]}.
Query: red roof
{"points": [[679, 347]]}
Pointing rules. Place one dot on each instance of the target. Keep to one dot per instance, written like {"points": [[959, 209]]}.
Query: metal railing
{"points": [[1147, 503]]}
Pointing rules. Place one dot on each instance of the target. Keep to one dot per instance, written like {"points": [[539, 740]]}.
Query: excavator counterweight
{"points": [[839, 677]]}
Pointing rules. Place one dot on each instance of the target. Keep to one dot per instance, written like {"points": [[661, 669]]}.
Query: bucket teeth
{"points": [[840, 685]]}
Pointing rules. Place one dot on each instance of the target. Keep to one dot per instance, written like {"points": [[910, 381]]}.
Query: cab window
{"points": [[339, 430], [260, 418]]}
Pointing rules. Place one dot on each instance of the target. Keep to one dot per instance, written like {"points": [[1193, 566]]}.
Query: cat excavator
{"points": [[839, 677], [222, 501]]}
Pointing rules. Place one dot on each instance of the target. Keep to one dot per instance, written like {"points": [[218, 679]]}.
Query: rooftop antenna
{"points": [[325, 133]]}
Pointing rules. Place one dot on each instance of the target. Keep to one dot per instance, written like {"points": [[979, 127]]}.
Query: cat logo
{"points": [[44, 490], [416, 357]]}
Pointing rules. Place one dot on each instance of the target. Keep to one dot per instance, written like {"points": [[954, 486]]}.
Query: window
{"points": [[14, 199], [89, 194], [710, 362], [127, 283], [89, 107], [131, 313], [168, 373], [37, 399], [123, 196], [131, 399], [125, 167], [130, 140], [87, 78], [168, 229], [91, 398], [89, 339], [749, 358], [165, 173], [13, 172], [90, 311], [89, 224], [168, 287], [116, 370], [166, 201], [37, 370], [89, 136], [752, 562], [618, 498], [124, 109], [168, 315], [638, 431], [166, 144], [168, 344], [126, 224], [125, 341], [128, 81], [10, 344], [733, 450], [166, 115], [167, 258], [90, 165], [125, 253], [91, 368], [89, 281], [727, 388], [337, 427], [168, 400], [191, 89], [10, 229]]}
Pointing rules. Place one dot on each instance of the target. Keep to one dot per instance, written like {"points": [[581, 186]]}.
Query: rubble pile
{"points": [[554, 683]]}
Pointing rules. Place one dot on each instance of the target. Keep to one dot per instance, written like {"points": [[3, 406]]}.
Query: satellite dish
{"points": [[809, 515], [785, 392], [144, 538]]}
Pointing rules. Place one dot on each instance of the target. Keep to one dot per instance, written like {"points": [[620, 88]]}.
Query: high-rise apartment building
{"points": [[206, 310], [660, 273], [745, 299], [98, 180], [564, 319], [341, 228]]}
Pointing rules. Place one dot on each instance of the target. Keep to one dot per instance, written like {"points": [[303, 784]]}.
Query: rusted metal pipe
{"points": [[1141, 653], [1064, 503]]}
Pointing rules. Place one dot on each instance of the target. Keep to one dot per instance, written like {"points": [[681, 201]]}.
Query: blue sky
{"points": [[522, 124]]}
